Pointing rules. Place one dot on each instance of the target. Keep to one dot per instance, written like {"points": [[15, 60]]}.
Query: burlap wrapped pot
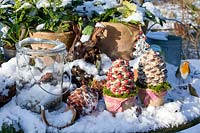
{"points": [[66, 37], [119, 40]]}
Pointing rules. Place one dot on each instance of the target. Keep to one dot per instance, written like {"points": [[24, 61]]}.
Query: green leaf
{"points": [[88, 30]]}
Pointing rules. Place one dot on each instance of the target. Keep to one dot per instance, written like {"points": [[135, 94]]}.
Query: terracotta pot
{"points": [[118, 104], [65, 37], [149, 97], [119, 40]]}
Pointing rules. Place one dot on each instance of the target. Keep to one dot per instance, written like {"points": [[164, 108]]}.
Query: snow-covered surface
{"points": [[174, 11], [7, 76], [179, 108]]}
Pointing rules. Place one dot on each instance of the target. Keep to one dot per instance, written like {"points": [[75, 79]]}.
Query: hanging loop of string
{"points": [[23, 53]]}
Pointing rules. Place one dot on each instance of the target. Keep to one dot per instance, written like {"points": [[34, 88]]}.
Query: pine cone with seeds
{"points": [[84, 100], [98, 86], [152, 69], [80, 77], [120, 78]]}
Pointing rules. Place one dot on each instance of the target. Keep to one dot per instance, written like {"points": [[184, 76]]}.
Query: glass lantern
{"points": [[40, 66]]}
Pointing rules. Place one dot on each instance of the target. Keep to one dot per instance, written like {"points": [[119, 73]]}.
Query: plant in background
{"points": [[126, 12], [190, 30], [47, 15], [20, 18], [13, 27], [194, 10]]}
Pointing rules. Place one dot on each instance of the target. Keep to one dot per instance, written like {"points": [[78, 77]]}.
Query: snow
{"points": [[25, 5], [89, 68], [89, 7], [179, 108], [149, 6]]}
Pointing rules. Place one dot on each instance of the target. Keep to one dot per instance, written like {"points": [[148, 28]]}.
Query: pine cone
{"points": [[120, 78], [80, 77], [48, 77], [152, 69], [98, 86], [83, 100]]}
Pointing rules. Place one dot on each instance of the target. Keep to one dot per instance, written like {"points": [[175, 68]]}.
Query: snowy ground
{"points": [[179, 108]]}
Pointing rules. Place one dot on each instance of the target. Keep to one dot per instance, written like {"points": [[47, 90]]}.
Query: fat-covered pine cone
{"points": [[83, 100], [120, 78], [152, 69]]}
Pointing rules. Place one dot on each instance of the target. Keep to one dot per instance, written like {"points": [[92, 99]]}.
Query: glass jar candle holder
{"points": [[40, 66]]}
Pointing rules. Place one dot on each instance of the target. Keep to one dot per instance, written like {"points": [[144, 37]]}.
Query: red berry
{"points": [[124, 88], [113, 89], [109, 74], [126, 82], [131, 77], [120, 76], [112, 79], [119, 84], [124, 69], [108, 84], [127, 91], [128, 74], [127, 62], [117, 65]]}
